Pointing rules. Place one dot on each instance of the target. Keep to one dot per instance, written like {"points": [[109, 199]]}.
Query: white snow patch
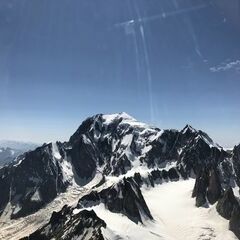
{"points": [[85, 139], [127, 139], [16, 209], [18, 163], [67, 170], [36, 197], [120, 225], [156, 136], [109, 118], [76, 211], [55, 151]]}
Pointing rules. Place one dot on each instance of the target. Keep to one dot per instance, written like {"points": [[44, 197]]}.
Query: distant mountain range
{"points": [[117, 178], [9, 150]]}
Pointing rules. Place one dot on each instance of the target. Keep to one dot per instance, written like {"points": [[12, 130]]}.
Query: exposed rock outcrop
{"points": [[227, 203], [207, 187], [68, 225], [234, 223], [33, 181], [124, 197]]}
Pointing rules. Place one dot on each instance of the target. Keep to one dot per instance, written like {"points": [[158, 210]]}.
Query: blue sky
{"points": [[164, 62]]}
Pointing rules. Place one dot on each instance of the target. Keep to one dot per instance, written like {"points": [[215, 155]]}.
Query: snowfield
{"points": [[172, 206], [173, 209], [175, 217]]}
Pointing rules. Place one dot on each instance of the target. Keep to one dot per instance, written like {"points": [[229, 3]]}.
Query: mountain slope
{"points": [[109, 162]]}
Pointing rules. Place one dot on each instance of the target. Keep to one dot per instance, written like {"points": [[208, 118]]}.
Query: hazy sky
{"points": [[164, 62]]}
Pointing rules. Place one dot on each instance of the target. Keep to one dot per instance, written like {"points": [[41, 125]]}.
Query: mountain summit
{"points": [[106, 167]]}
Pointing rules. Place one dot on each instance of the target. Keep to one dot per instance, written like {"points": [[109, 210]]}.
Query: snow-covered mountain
{"points": [[117, 178], [9, 150]]}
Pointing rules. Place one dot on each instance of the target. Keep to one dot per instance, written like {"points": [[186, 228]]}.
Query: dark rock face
{"points": [[214, 190], [32, 182], [165, 174], [89, 200], [5, 187], [199, 154], [138, 178], [125, 197], [200, 188], [234, 223], [66, 225], [156, 175], [227, 203], [83, 154], [226, 171], [236, 163], [173, 175], [162, 149], [207, 187], [229, 208]]}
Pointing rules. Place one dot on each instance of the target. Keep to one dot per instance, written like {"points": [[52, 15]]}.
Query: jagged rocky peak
{"points": [[100, 124], [227, 203], [113, 142], [234, 222], [236, 151], [123, 197], [207, 189], [198, 136], [35, 179], [110, 144], [69, 224], [236, 162], [188, 129], [128, 155]]}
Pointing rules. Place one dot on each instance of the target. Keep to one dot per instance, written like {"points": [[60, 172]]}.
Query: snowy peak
{"points": [[115, 143], [109, 118], [110, 160], [198, 136], [112, 145], [100, 124]]}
